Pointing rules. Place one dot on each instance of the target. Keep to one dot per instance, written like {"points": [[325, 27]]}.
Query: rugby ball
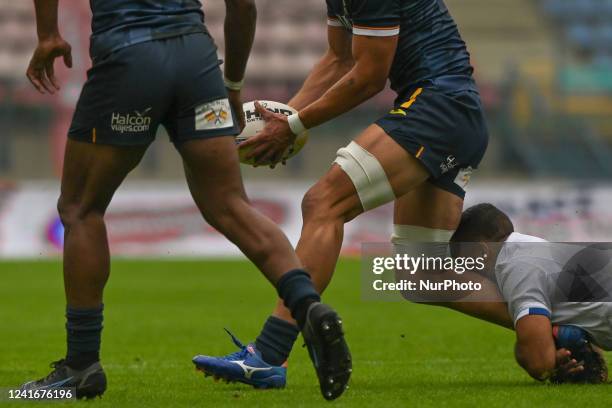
{"points": [[255, 124]]}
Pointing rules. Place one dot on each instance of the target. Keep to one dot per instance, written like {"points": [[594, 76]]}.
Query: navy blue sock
{"points": [[276, 340], [84, 331], [298, 293]]}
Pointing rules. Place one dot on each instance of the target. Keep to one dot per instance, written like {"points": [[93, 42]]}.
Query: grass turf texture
{"points": [[159, 314]]}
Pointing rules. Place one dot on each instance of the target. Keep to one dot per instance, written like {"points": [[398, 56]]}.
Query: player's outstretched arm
{"points": [[51, 45], [240, 22], [535, 349], [373, 59], [336, 63]]}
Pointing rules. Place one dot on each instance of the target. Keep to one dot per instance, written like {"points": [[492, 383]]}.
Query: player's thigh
{"points": [[428, 206], [447, 135], [201, 108], [92, 173], [402, 169], [213, 173], [369, 172]]}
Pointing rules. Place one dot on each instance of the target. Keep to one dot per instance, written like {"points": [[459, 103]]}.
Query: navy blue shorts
{"points": [[446, 131], [174, 82]]}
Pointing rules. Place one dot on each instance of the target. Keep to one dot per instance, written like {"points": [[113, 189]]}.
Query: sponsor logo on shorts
{"points": [[449, 164], [137, 122], [214, 115], [463, 177]]}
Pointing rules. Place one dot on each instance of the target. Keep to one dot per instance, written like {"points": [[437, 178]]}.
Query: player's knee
{"points": [[310, 202], [74, 212], [67, 212], [219, 220], [317, 204], [262, 250], [239, 223], [233, 218]]}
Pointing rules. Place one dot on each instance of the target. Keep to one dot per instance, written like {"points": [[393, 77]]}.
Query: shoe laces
{"points": [[240, 354], [56, 365]]}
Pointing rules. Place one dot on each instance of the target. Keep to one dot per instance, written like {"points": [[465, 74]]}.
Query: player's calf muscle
{"points": [[269, 249], [248, 229], [258, 237]]}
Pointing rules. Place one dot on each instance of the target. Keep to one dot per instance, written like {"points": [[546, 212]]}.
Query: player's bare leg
{"points": [[214, 179], [213, 175], [333, 201], [430, 207], [92, 173]]}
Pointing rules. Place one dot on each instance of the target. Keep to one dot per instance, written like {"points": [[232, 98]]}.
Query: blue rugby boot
{"points": [[245, 366]]}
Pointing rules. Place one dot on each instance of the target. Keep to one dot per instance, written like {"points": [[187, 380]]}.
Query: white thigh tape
{"points": [[412, 233], [367, 174], [411, 238]]}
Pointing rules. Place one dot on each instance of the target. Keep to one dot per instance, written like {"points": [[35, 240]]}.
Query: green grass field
{"points": [[160, 314]]}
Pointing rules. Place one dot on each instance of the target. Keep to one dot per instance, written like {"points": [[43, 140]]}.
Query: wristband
{"points": [[233, 86], [569, 337], [296, 125]]}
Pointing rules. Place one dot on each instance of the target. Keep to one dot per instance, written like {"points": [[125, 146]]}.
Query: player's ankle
{"points": [[298, 293], [83, 336], [82, 360], [276, 340]]}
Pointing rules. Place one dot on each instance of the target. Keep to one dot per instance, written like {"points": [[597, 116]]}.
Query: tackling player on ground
{"points": [[562, 318], [154, 63], [420, 155]]}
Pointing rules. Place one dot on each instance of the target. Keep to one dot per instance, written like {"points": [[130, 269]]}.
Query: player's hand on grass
{"points": [[566, 366], [41, 72], [270, 145], [235, 99]]}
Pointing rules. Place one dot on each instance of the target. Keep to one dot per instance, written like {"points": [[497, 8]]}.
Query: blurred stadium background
{"points": [[544, 68]]}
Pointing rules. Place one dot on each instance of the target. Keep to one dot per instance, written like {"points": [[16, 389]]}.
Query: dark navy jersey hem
{"points": [[97, 55], [120, 23]]}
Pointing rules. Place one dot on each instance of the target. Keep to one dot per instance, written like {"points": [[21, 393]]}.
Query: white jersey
{"points": [[529, 275]]}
